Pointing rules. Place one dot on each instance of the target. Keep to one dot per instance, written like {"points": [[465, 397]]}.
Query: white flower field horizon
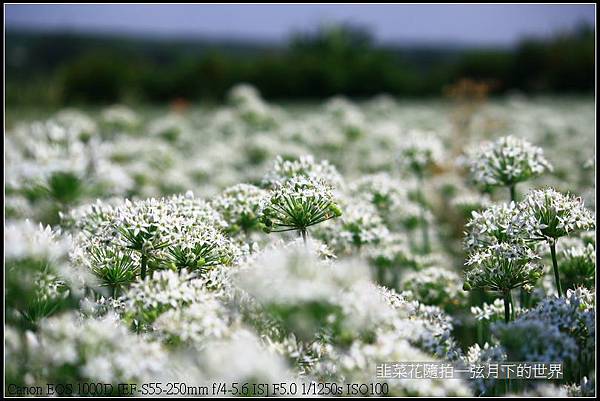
{"points": [[263, 249]]}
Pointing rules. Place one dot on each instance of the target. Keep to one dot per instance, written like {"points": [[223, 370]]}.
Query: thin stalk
{"points": [[522, 297], [522, 294], [513, 198], [512, 306], [303, 234], [506, 306], [555, 266], [513, 192], [143, 269]]}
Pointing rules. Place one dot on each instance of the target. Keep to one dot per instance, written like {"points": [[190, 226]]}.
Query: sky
{"points": [[465, 24]]}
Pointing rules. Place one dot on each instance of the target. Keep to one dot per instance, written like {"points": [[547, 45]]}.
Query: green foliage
{"points": [[68, 69], [95, 77]]}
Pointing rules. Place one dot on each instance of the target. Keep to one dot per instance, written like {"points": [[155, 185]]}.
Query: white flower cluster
{"points": [[491, 312], [294, 274], [499, 223], [358, 227], [251, 108], [552, 214], [391, 198], [578, 266], [476, 355], [120, 116], [385, 192], [586, 388], [348, 114], [356, 365], [297, 204], [436, 286], [180, 231], [100, 350], [503, 267], [506, 162], [306, 166], [40, 277], [171, 127], [164, 290], [27, 240], [240, 358], [223, 302], [205, 318], [90, 218], [420, 150], [337, 300], [199, 246], [240, 207]]}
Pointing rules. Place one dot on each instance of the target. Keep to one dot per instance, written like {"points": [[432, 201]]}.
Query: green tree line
{"points": [[63, 69]]}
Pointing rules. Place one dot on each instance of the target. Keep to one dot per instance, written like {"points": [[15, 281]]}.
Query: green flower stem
{"points": [[522, 297], [143, 269], [303, 234], [513, 192], [555, 266], [513, 198], [512, 306], [506, 306]]}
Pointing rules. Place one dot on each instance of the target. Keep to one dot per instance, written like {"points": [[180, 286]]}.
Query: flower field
{"points": [[266, 249]]}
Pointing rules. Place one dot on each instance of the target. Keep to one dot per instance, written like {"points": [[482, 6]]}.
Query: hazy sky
{"points": [[464, 24]]}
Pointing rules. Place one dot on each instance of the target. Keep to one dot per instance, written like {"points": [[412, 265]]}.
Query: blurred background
{"points": [[58, 55]]}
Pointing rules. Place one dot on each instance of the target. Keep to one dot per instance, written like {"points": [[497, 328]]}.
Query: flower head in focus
{"points": [[550, 214], [198, 246], [499, 223], [502, 267], [506, 162], [298, 204]]}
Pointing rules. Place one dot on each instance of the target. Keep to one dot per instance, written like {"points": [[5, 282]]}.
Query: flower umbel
{"points": [[298, 204], [550, 215], [502, 267], [506, 162]]}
